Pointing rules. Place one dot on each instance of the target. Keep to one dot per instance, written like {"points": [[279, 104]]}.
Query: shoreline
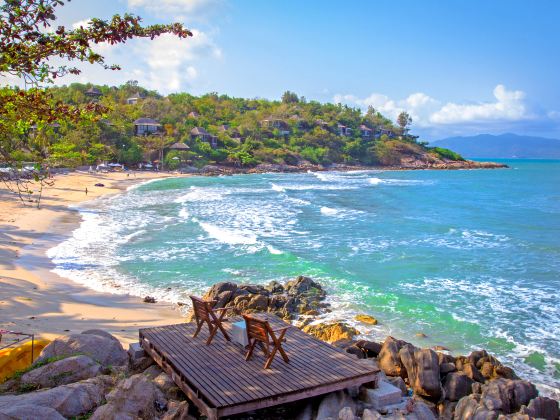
{"points": [[32, 297]]}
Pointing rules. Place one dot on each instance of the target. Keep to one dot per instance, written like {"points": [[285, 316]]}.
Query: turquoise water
{"points": [[469, 258]]}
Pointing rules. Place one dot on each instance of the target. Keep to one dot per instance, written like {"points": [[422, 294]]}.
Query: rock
{"points": [[370, 414], [389, 360], [422, 411], [472, 372], [421, 335], [331, 331], [457, 385], [446, 409], [305, 286], [218, 289], [356, 351], [542, 408], [134, 397], [101, 333], [29, 412], [346, 414], [149, 299], [275, 287], [106, 351], [446, 368], [371, 348], [332, 403], [68, 400], [440, 348], [61, 372], [422, 368], [508, 395], [398, 382], [167, 386], [258, 303], [385, 394], [177, 410], [366, 319], [152, 372], [470, 407]]}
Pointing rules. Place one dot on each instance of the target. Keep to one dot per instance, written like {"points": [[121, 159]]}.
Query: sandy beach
{"points": [[32, 298]]}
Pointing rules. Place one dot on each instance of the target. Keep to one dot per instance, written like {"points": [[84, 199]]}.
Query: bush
{"points": [[446, 153]]}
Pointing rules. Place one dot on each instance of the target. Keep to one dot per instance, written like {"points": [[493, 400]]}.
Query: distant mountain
{"points": [[502, 146]]}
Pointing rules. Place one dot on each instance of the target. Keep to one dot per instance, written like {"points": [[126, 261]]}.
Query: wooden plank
{"points": [[220, 382]]}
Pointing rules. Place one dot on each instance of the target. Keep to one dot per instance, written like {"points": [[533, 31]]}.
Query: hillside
{"points": [[503, 146], [186, 131]]}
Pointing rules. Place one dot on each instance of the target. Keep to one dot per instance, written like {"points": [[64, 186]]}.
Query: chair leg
{"points": [[213, 331], [251, 348], [199, 327]]}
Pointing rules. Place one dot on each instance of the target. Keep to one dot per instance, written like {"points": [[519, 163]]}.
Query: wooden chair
{"points": [[205, 313], [260, 331]]}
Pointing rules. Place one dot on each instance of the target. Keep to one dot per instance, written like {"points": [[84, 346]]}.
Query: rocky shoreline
{"points": [[90, 375], [405, 165]]}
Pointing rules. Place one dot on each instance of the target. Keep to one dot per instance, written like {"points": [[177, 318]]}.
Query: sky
{"points": [[458, 67]]}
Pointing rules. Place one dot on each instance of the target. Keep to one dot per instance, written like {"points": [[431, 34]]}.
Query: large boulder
{"points": [[177, 410], [106, 351], [542, 408], [305, 286], [29, 412], [133, 397], [508, 395], [422, 368], [331, 405], [65, 371], [331, 331], [68, 400], [498, 397], [457, 385], [389, 360]]}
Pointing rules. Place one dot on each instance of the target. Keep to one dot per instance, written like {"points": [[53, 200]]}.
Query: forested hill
{"points": [[184, 130]]}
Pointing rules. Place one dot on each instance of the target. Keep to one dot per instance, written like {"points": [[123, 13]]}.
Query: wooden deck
{"points": [[220, 382]]}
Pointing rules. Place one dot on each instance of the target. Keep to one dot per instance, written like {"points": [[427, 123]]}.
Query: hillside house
{"points": [[344, 130], [203, 135], [366, 132], [382, 131], [93, 93], [134, 99], [193, 114], [146, 127], [278, 124]]}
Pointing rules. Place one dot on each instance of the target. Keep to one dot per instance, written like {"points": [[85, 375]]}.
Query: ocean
{"points": [[470, 258]]}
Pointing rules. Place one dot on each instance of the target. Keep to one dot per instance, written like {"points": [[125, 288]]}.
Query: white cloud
{"points": [[509, 106], [177, 8], [84, 22], [168, 60]]}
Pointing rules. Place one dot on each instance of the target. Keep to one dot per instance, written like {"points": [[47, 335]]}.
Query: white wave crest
{"points": [[228, 236], [328, 211]]}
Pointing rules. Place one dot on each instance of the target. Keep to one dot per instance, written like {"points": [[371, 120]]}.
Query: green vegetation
{"points": [[245, 132], [446, 153]]}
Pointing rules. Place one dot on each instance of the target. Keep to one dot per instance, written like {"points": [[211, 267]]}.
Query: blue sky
{"points": [[459, 67]]}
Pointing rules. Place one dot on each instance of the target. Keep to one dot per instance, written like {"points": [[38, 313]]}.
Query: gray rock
{"points": [[446, 409], [332, 403], [167, 386], [472, 372], [423, 412], [65, 371], [457, 385], [508, 395], [134, 397], [422, 367], [398, 382], [445, 368], [101, 333], [542, 408], [153, 371], [389, 360], [346, 414], [370, 415], [68, 400], [177, 410], [29, 412], [106, 351]]}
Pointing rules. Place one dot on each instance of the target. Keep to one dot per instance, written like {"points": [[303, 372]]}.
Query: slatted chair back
{"points": [[259, 331], [205, 313]]}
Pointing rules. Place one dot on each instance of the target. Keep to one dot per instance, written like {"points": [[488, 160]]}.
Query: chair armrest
{"points": [[282, 329]]}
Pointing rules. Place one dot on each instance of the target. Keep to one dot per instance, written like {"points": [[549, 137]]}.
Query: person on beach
{"points": [[86, 190]]}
